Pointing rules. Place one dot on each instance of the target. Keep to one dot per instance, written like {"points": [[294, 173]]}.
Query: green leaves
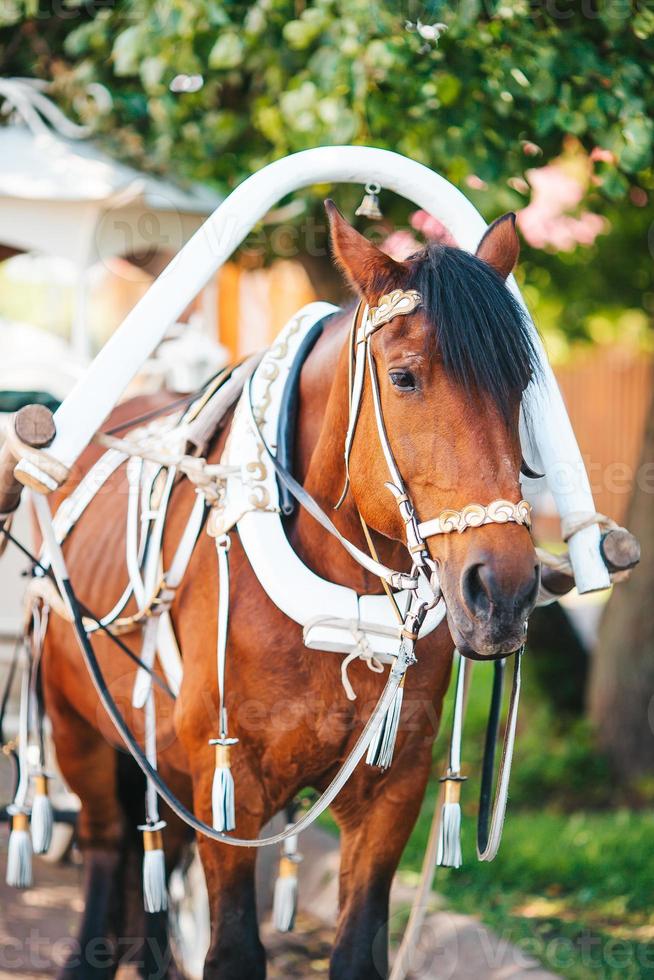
{"points": [[636, 150], [448, 88], [227, 52], [281, 75], [127, 51], [301, 33]]}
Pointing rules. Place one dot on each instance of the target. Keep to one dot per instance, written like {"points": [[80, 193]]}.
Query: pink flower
{"points": [[599, 155], [400, 245], [545, 223], [431, 228], [552, 183]]}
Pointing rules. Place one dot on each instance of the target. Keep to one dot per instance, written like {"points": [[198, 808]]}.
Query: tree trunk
{"points": [[621, 688]]}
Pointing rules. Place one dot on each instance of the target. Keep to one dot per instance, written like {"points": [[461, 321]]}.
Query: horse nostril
{"points": [[475, 590], [532, 591], [485, 593]]}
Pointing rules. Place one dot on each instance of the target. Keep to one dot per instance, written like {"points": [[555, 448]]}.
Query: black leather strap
{"points": [[488, 764], [47, 572], [287, 424], [11, 753]]}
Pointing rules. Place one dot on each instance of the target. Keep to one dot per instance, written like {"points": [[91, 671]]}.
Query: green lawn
{"points": [[574, 890], [573, 883]]}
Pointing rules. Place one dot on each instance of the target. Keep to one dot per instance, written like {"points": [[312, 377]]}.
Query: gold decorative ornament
{"points": [[287, 867], [152, 840], [399, 302], [20, 821], [476, 515]]}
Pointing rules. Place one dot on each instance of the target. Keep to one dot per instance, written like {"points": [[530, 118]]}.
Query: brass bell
{"points": [[369, 207]]}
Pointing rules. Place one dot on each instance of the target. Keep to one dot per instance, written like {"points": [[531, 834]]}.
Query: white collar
{"points": [[333, 617]]}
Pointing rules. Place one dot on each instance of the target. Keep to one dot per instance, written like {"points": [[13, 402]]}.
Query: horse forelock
{"points": [[479, 328]]}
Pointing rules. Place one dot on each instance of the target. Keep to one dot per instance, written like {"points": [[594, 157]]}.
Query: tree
{"points": [[503, 84], [621, 692], [497, 92]]}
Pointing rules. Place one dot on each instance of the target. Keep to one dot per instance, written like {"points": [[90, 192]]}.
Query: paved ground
{"points": [[36, 927]]}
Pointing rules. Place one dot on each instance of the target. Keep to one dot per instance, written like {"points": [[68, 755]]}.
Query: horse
{"points": [[450, 376]]}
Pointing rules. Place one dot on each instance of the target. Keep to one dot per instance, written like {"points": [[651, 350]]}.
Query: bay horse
{"points": [[451, 376]]}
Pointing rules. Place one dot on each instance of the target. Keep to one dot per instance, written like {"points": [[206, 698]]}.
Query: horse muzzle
{"points": [[493, 598]]}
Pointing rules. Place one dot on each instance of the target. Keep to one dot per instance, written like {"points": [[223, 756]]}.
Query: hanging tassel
{"points": [[42, 816], [155, 892], [449, 832], [286, 886], [222, 791], [449, 840], [19, 853], [380, 751]]}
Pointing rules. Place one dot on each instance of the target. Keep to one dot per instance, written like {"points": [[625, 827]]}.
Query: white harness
{"points": [[332, 616]]}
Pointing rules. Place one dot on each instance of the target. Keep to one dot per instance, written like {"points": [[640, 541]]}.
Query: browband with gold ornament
{"points": [[476, 515], [399, 302]]}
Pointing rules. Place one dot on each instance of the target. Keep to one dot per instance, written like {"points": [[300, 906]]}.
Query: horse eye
{"points": [[529, 473], [404, 380]]}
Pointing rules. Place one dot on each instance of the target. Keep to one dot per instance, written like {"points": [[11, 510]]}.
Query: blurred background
{"points": [[124, 124]]}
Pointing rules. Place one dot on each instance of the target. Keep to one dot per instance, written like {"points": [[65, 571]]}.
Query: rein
{"points": [[378, 736], [404, 658], [377, 739]]}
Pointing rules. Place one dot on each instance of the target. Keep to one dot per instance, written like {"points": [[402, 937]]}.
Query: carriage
{"points": [[320, 526]]}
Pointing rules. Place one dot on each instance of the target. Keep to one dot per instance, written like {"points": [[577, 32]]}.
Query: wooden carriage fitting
{"points": [[40, 450], [550, 445]]}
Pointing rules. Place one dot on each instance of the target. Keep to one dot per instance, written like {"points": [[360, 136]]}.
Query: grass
{"points": [[573, 890], [573, 882]]}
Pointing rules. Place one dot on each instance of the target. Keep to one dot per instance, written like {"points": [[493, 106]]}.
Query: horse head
{"points": [[450, 374]]}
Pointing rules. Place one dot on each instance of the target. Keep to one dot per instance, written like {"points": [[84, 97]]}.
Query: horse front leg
{"points": [[236, 951], [88, 764], [376, 817]]}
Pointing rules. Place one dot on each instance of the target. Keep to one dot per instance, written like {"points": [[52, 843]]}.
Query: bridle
{"points": [[366, 322], [378, 735]]}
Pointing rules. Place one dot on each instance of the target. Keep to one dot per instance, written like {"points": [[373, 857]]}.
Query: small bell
{"points": [[369, 207]]}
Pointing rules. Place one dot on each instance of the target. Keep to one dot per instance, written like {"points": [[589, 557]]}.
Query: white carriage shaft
{"points": [[93, 398]]}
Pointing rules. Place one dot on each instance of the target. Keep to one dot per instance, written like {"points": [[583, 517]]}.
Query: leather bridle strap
{"points": [[404, 658], [398, 580], [491, 820], [400, 303], [355, 378], [414, 541]]}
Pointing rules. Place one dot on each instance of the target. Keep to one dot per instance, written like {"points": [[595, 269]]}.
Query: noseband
{"points": [[367, 321]]}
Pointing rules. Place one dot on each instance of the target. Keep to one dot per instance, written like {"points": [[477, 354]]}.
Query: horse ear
{"points": [[500, 246], [366, 267]]}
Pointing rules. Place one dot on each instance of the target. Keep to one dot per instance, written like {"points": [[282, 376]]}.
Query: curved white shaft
{"points": [[95, 395]]}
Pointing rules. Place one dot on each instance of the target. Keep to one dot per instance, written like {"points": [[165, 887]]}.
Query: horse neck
{"points": [[322, 426]]}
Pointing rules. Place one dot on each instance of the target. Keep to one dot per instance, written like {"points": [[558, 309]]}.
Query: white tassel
{"points": [[42, 816], [155, 892], [380, 750], [19, 853], [449, 839], [222, 791], [285, 894]]}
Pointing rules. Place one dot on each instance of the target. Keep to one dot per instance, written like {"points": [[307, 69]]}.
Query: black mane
{"points": [[483, 334]]}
